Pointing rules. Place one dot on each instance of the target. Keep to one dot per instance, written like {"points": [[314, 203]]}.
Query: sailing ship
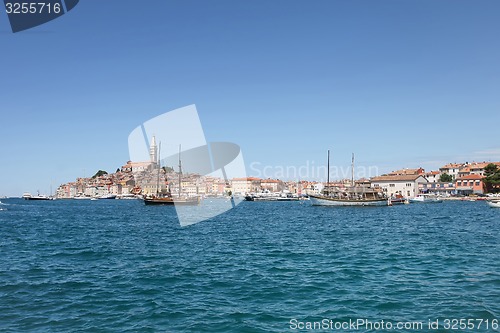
{"points": [[168, 199], [355, 195]]}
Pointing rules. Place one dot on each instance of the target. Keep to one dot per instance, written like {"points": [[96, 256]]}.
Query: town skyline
{"points": [[339, 173], [137, 179]]}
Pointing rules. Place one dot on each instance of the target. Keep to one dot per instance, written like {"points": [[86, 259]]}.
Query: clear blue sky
{"points": [[400, 83]]}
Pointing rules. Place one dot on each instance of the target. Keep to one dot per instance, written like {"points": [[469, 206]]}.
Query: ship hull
{"points": [[326, 201], [171, 202], [38, 198]]}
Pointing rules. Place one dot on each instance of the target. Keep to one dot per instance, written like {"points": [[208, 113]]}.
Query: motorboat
{"points": [[493, 203], [425, 199]]}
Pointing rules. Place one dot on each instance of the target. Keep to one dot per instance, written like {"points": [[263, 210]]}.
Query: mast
{"points": [[328, 174], [158, 174], [352, 170], [180, 171]]}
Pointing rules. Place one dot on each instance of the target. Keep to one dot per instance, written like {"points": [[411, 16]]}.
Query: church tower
{"points": [[153, 151]]}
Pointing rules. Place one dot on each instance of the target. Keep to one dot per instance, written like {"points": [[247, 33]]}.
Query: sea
{"points": [[121, 266]]}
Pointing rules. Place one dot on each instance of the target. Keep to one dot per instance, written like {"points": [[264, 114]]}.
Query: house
{"points": [[432, 176], [470, 184], [451, 169], [405, 185], [404, 172], [271, 185], [438, 188], [245, 185], [137, 167]]}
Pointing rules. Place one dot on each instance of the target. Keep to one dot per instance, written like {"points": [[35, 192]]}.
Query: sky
{"points": [[400, 83]]}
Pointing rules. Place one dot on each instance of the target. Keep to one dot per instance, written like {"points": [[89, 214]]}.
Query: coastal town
{"points": [[148, 178]]}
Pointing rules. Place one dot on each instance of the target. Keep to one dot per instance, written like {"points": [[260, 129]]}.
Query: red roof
{"points": [[471, 177], [452, 166], [269, 181]]}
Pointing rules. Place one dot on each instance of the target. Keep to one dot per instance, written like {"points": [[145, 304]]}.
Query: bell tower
{"points": [[153, 151]]}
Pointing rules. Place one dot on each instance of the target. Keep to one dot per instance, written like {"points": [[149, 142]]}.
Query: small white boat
{"points": [[107, 197], [82, 197], [425, 199], [493, 203], [28, 196]]}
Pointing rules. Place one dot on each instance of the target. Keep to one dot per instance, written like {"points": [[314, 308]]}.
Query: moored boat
{"points": [[28, 196], [82, 197], [267, 196], [107, 197], [367, 199], [493, 203], [397, 200], [168, 199], [171, 201], [355, 195], [425, 199]]}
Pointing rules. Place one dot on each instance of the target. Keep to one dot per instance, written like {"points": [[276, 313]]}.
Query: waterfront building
{"points": [[438, 188], [470, 184], [314, 188], [405, 185], [244, 185], [271, 185]]}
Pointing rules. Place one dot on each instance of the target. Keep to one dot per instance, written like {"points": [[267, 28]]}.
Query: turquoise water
{"points": [[120, 266]]}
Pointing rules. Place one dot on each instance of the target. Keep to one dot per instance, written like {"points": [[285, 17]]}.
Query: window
{"points": [[459, 183], [478, 182]]}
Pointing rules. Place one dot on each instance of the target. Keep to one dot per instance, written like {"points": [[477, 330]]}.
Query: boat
{"points": [[268, 196], [82, 197], [351, 198], [493, 203], [106, 197], [168, 199], [129, 196], [397, 199], [355, 195], [425, 199], [28, 196]]}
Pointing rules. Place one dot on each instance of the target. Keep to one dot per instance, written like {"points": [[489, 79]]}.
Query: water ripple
{"points": [[120, 266]]}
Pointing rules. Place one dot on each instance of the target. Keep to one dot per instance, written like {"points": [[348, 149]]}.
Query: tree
{"points": [[99, 174], [168, 169], [445, 178], [490, 169], [492, 178]]}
